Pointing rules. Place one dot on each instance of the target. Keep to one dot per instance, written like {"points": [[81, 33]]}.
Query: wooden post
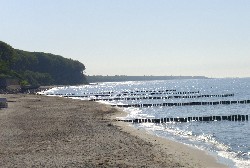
{"points": [[224, 118], [239, 118], [243, 118]]}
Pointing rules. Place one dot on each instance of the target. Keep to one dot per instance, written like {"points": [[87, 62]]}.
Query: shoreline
{"points": [[40, 131], [186, 153]]}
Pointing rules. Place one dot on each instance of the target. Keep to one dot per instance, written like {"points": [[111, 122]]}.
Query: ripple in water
{"points": [[229, 140]]}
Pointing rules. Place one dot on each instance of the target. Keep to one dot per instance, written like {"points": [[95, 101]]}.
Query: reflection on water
{"points": [[226, 138]]}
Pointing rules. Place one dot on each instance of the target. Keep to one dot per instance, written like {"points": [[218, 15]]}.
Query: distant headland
{"points": [[122, 78]]}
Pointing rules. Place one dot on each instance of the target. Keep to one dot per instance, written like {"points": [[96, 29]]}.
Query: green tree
{"points": [[7, 58], [37, 68]]}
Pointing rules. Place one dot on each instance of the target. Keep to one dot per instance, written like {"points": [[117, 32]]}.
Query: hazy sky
{"points": [[135, 37]]}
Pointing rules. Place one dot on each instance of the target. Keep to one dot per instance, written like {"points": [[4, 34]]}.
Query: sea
{"points": [[228, 141]]}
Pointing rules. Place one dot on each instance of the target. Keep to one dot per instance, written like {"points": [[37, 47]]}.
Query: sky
{"points": [[135, 37]]}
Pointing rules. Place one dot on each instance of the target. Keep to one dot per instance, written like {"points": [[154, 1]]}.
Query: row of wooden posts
{"points": [[184, 104], [189, 119], [166, 97], [129, 92], [150, 91], [156, 93], [109, 94]]}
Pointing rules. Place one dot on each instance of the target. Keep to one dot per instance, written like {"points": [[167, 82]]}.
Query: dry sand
{"points": [[39, 131]]}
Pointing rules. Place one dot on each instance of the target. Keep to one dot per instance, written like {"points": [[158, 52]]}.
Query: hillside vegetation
{"points": [[37, 68]]}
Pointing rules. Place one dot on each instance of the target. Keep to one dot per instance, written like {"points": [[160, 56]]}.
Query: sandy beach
{"points": [[39, 131]]}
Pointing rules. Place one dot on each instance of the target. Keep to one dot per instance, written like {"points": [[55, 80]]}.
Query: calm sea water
{"points": [[229, 141]]}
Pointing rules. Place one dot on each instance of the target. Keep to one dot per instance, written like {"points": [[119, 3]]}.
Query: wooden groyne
{"points": [[135, 93], [149, 91], [184, 104], [165, 97], [156, 93], [189, 119]]}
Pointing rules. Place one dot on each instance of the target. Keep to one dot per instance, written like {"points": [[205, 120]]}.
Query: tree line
{"points": [[38, 68]]}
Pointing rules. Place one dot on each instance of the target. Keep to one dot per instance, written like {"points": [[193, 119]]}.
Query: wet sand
{"points": [[39, 131]]}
